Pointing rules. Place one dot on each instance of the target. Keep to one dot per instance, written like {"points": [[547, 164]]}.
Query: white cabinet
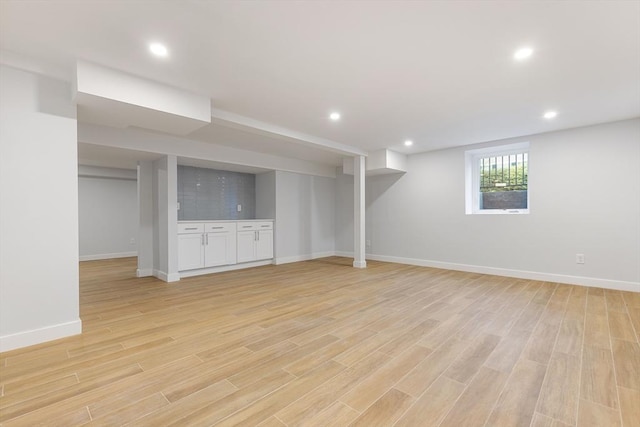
{"points": [[209, 247], [219, 244], [246, 246], [255, 241], [190, 253], [264, 244], [206, 245]]}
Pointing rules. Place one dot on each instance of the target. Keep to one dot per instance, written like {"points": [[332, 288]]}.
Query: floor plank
{"points": [[384, 411], [626, 357], [593, 415], [517, 403], [598, 383], [620, 326], [469, 362], [434, 404], [476, 402], [336, 415], [629, 406], [560, 392], [374, 387]]}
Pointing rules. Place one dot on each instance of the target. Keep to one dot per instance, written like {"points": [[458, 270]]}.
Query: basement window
{"points": [[497, 180]]}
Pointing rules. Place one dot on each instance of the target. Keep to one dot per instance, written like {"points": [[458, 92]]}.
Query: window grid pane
{"points": [[504, 173]]}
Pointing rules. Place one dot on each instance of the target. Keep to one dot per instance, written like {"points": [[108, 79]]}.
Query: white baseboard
{"points": [[307, 257], [223, 268], [40, 335], [360, 264], [144, 272], [96, 257], [173, 277], [343, 254], [593, 282], [520, 274]]}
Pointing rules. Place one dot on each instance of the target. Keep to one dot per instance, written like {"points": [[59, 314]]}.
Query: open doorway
{"points": [[108, 206]]}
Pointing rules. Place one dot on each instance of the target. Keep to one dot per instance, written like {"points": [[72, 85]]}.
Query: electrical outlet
{"points": [[239, 208], [579, 258], [132, 241], [178, 205]]}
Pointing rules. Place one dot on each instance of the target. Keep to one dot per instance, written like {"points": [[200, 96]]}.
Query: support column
{"points": [[359, 260], [145, 222], [172, 218], [165, 219]]}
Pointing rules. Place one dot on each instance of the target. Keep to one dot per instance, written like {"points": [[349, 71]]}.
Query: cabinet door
{"points": [[246, 246], [220, 249], [264, 244], [190, 251]]}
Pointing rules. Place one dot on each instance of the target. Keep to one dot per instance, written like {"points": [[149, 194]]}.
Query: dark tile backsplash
{"points": [[209, 194]]}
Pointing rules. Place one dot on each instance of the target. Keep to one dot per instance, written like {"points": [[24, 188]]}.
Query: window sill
{"points": [[500, 212]]}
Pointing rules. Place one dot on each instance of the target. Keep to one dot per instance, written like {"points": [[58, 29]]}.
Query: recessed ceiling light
{"points": [[523, 53], [158, 49], [334, 116], [550, 114], [408, 143]]}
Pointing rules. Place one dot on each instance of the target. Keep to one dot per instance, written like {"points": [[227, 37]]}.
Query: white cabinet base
{"points": [[201, 271]]}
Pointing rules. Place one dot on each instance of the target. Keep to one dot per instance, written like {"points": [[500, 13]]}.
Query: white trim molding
{"points": [[96, 257], [173, 277], [222, 268], [593, 282], [144, 272], [306, 257], [519, 274], [40, 335]]}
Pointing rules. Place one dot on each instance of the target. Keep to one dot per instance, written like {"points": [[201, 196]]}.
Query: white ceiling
{"points": [[438, 72]]}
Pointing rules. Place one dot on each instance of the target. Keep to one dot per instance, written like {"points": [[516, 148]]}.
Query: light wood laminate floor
{"points": [[319, 343]]}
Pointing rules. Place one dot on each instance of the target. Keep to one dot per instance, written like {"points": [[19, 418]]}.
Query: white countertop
{"points": [[200, 221]]}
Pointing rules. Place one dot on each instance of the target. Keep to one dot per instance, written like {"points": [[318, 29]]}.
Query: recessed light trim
{"points": [[408, 143], [550, 115], [335, 116], [158, 49], [523, 53]]}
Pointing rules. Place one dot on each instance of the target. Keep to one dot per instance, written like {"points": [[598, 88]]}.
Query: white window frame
{"points": [[472, 177]]}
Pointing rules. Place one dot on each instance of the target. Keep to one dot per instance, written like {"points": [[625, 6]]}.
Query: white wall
{"points": [[584, 195], [266, 195], [108, 217], [38, 210], [305, 208]]}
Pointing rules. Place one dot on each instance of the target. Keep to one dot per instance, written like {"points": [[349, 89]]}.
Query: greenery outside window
{"points": [[497, 180]]}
